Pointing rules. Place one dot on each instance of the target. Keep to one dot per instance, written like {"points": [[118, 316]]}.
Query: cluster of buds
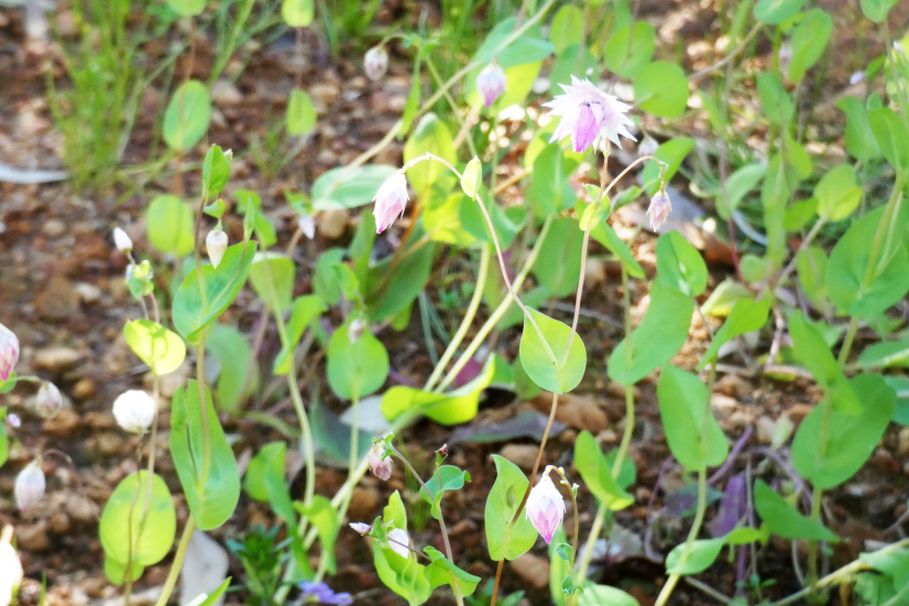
{"points": [[135, 411], [30, 485]]}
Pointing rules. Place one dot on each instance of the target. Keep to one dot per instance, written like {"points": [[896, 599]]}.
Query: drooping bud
{"points": [[399, 541], [11, 572], [134, 410], [785, 58], [307, 225], [48, 401], [390, 201], [215, 245], [361, 528], [122, 240], [375, 62], [659, 209], [491, 83], [380, 464], [545, 507], [9, 352], [30, 485]]}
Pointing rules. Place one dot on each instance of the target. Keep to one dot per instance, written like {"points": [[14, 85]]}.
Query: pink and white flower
{"points": [[588, 115], [491, 83], [390, 201], [545, 507], [9, 352], [375, 62], [659, 209], [380, 464], [29, 486]]}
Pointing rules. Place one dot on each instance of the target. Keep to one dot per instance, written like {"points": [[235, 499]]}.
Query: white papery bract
{"points": [[399, 541]]}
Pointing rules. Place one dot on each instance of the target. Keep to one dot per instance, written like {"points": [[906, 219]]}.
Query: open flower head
{"points": [[545, 507], [390, 201], [9, 352], [587, 115]]}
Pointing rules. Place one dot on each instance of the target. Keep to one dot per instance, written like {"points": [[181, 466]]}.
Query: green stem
{"points": [[177, 565], [673, 580]]}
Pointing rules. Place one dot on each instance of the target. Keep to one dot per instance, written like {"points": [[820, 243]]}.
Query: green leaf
{"points": [[213, 598], [187, 8], [886, 354], [272, 277], [528, 48], [857, 291], [349, 186], [203, 457], [323, 517], [661, 89], [851, 437], [357, 366], [472, 178], [739, 184], [553, 355], [629, 48], [603, 595], [443, 571], [694, 436], [123, 535], [605, 235], [446, 478], [784, 520], [876, 10], [301, 113], [860, 141], [774, 12], [747, 315], [680, 265], [169, 224], [193, 312], [387, 297], [238, 375], [892, 137], [659, 336], [567, 28], [812, 351], [775, 100], [403, 575], [303, 314], [187, 116], [297, 13], [4, 437], [596, 471], [809, 40], [563, 242], [837, 193], [161, 349], [550, 189], [116, 571], [506, 540], [811, 267], [430, 135], [694, 557], [720, 302], [215, 172]]}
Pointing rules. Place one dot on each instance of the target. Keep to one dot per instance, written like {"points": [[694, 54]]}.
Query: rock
{"points": [[533, 570], [582, 412], [57, 359], [63, 425], [733, 385], [332, 223], [89, 293], [522, 455], [81, 509], [58, 301], [33, 537], [59, 523], [364, 503], [204, 569], [225, 93], [54, 228], [84, 389]]}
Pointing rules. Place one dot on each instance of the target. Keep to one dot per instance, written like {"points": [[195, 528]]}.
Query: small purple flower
{"points": [[321, 593], [659, 209], [380, 464], [587, 114], [390, 201], [545, 507], [491, 83], [9, 352]]}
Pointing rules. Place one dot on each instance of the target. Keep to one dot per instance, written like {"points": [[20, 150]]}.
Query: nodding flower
{"points": [[375, 62], [491, 83], [9, 352], [215, 245], [545, 507], [390, 201], [588, 115], [659, 209], [134, 410], [122, 240], [379, 464], [29, 486]]}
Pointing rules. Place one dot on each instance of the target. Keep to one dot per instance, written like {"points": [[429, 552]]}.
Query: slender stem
{"points": [[177, 565], [628, 432], [673, 580], [469, 315], [454, 107], [587, 553], [495, 584], [809, 238]]}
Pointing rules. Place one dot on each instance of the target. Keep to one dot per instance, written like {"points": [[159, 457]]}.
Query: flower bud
{"points": [[360, 528], [545, 507], [48, 401], [355, 330], [134, 410], [9, 352], [307, 225], [390, 201], [399, 542], [659, 209], [30, 485], [11, 572], [216, 244], [122, 240], [785, 58], [375, 62], [491, 83], [379, 464]]}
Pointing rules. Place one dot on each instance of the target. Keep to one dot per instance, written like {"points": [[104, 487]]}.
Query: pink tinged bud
{"points": [[9, 352], [380, 465], [399, 542], [30, 485], [659, 210], [545, 507], [215, 245], [122, 240], [48, 401], [491, 83], [360, 528], [134, 410], [390, 201], [586, 128], [375, 62]]}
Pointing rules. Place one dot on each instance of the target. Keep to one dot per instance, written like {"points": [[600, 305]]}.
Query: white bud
{"points": [[11, 573], [375, 62], [545, 507], [216, 244], [30, 485], [307, 225], [122, 240], [399, 541], [659, 209], [134, 410], [360, 528], [856, 77], [48, 400]]}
